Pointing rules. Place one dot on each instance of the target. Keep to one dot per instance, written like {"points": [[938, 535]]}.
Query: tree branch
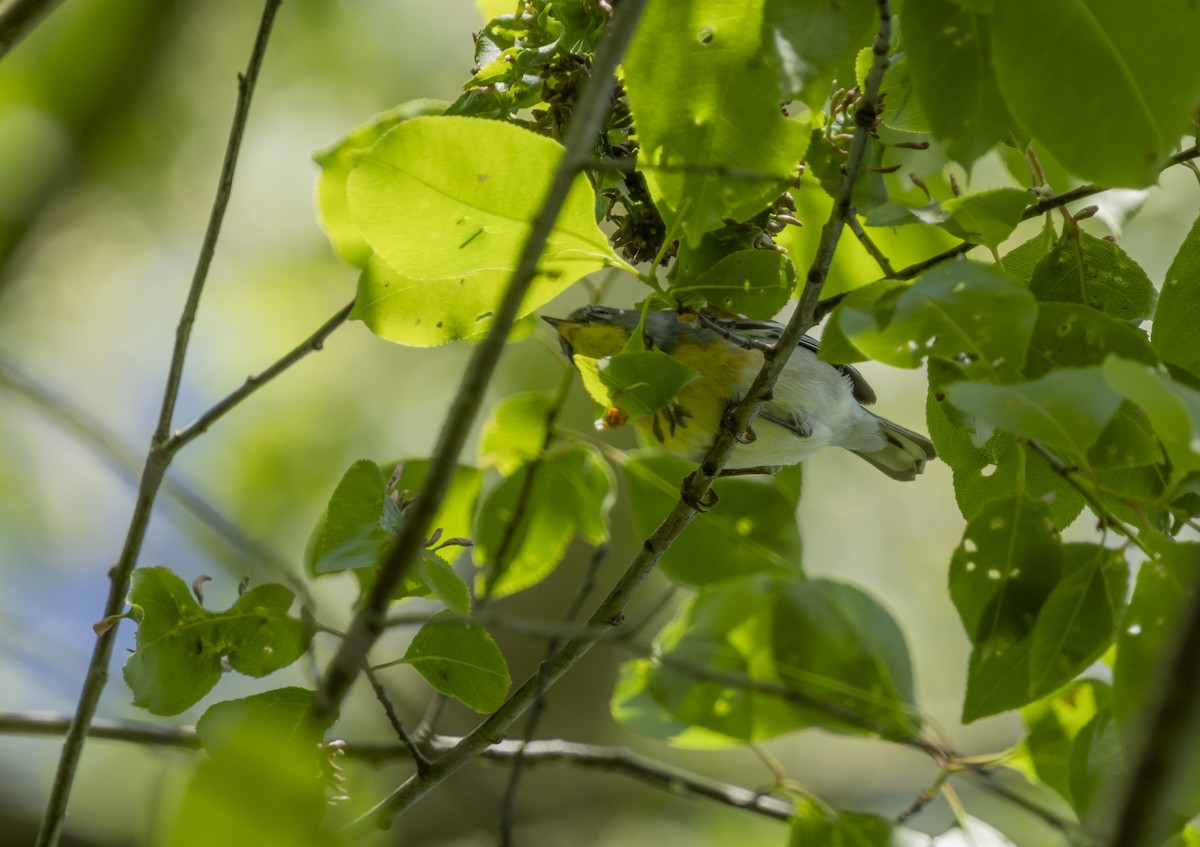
{"points": [[611, 609], [617, 760], [369, 622], [155, 468], [18, 18], [1039, 208]]}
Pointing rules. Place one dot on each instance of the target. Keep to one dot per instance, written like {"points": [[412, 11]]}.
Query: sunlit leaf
{"points": [[988, 217], [754, 283], [446, 203], [515, 431], [811, 40], [1070, 335], [524, 527], [460, 660], [639, 383], [705, 102], [338, 159], [180, 644], [1052, 725], [1173, 409]]}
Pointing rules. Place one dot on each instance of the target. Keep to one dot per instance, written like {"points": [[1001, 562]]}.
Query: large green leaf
{"points": [[515, 431], [1178, 309], [460, 660], [260, 782], [181, 645], [1130, 69], [988, 217], [811, 41], [755, 283], [948, 51], [1052, 725], [963, 312], [524, 527], [447, 203], [753, 527], [1084, 269], [353, 533], [1066, 410], [639, 383], [1071, 335], [705, 103], [822, 654], [338, 159]]}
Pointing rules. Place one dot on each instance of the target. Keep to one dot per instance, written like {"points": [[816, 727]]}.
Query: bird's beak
{"points": [[564, 328]]}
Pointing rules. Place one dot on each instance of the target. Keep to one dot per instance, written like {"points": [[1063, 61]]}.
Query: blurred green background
{"points": [[113, 120]]}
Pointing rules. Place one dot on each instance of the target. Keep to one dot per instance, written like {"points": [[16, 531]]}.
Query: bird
{"points": [[814, 404]]}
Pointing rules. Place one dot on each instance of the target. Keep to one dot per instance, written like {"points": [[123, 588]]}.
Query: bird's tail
{"points": [[905, 454]]}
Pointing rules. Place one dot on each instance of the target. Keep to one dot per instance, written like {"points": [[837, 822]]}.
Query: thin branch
{"points": [[312, 344], [1163, 764], [869, 245], [368, 622], [18, 18], [618, 760], [509, 803], [611, 609], [157, 460], [1033, 211], [1071, 475], [389, 709]]}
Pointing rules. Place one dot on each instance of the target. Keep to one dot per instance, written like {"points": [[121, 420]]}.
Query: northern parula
{"points": [[814, 404]]}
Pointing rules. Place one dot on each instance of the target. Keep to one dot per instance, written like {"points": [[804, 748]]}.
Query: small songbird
{"points": [[814, 404]]}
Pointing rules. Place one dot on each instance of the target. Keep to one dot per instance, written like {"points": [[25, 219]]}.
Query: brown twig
{"points": [[18, 18]]}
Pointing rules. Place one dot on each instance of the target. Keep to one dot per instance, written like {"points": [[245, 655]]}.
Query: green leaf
{"points": [[440, 580], [988, 217], [1065, 410], [352, 534], [571, 494], [823, 654], [1163, 584], [965, 312], [752, 529], [1142, 60], [902, 107], [705, 102], [1084, 269], [1173, 409], [811, 40], [1097, 767], [1077, 622], [180, 645], [1053, 723], [990, 468], [461, 661], [260, 782], [639, 383], [813, 826], [1022, 259], [1070, 335], [447, 203], [754, 283], [948, 51], [1175, 317], [515, 432], [1008, 562], [338, 159]]}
